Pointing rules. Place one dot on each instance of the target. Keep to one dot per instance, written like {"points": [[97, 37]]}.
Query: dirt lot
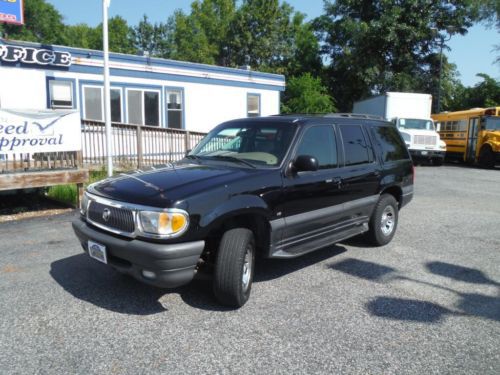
{"points": [[429, 302]]}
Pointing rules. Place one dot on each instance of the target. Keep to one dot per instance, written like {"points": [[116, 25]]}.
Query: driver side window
{"points": [[319, 141]]}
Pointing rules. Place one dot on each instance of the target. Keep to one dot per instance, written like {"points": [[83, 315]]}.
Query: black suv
{"points": [[276, 187]]}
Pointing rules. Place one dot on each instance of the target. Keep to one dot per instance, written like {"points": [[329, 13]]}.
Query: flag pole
{"points": [[107, 106]]}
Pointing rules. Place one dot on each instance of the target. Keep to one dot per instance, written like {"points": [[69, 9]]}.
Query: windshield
{"points": [[261, 144], [413, 123], [491, 123]]}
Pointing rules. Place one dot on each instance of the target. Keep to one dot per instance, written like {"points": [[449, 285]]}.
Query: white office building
{"points": [[144, 90]]}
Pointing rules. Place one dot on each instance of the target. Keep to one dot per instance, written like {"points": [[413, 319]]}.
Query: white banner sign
{"points": [[27, 132]]}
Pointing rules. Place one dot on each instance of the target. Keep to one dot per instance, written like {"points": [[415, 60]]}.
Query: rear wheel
{"points": [[384, 221], [486, 157], [234, 267]]}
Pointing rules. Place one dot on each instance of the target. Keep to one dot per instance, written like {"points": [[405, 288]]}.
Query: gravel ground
{"points": [[429, 302]]}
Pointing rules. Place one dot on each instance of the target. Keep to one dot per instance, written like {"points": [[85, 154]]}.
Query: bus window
{"points": [[490, 123]]}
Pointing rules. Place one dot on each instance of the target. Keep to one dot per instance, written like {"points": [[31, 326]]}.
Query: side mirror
{"points": [[306, 163], [187, 152]]}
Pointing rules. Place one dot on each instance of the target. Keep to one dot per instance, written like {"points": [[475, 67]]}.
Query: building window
{"points": [[174, 109], [143, 107], [94, 104], [61, 94], [116, 105], [253, 105]]}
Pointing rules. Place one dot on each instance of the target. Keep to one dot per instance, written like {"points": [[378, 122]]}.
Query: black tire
{"points": [[230, 287], [437, 161], [486, 157], [385, 215]]}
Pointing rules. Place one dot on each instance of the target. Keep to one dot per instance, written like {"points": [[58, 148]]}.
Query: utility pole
{"points": [[442, 40], [107, 94]]}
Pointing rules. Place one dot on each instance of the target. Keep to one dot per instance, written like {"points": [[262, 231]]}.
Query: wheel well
{"points": [[486, 146], [258, 224], [396, 192]]}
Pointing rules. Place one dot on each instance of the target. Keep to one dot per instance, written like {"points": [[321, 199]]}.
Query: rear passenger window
{"points": [[391, 144], [319, 141], [355, 145]]}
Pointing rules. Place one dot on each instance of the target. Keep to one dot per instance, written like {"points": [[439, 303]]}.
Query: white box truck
{"points": [[412, 115]]}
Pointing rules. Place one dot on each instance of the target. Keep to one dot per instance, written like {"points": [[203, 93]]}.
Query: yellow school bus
{"points": [[472, 136]]}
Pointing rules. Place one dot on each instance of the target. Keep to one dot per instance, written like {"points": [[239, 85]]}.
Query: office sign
{"points": [[28, 55], [12, 11], [28, 132]]}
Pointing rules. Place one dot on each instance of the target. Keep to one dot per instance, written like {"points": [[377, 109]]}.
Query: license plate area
{"points": [[98, 252]]}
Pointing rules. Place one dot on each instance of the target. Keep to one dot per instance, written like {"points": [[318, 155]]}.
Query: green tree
{"points": [[120, 36], [43, 24], [151, 38], [382, 45], [188, 41], [306, 94], [83, 36], [267, 34], [484, 94]]}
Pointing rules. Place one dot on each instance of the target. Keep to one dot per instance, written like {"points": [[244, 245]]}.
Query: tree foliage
{"points": [[484, 94], [306, 94], [43, 24], [383, 45]]}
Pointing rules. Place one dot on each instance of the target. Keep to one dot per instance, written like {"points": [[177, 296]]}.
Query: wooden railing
{"points": [[135, 146], [17, 163]]}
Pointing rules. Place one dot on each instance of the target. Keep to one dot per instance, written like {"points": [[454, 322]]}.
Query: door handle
{"points": [[336, 180]]}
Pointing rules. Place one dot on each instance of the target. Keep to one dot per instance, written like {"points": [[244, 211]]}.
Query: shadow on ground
{"points": [[98, 284], [407, 309]]}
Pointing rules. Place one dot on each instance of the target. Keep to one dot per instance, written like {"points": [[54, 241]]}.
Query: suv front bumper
{"points": [[173, 264]]}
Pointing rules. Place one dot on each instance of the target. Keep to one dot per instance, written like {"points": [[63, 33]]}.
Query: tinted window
{"points": [[390, 143], [319, 141], [355, 146]]}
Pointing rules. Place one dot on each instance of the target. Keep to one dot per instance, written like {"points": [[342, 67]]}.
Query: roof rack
{"points": [[354, 115]]}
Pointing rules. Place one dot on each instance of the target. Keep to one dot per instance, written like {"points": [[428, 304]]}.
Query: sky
{"points": [[472, 53]]}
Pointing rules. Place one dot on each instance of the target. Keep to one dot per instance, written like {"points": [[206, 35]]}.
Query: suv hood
{"points": [[164, 186]]}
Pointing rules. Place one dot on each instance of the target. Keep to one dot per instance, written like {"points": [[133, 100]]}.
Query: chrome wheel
{"points": [[247, 269], [388, 220]]}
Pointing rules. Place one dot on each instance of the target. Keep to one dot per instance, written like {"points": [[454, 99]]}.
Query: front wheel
{"points": [[234, 267], [384, 221], [487, 157], [437, 161]]}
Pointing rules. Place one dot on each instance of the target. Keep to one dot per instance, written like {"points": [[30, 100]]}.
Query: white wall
{"points": [[205, 105], [22, 88]]}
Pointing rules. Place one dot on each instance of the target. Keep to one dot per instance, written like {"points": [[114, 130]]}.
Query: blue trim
{"points": [[152, 61], [73, 89], [258, 95], [183, 105]]}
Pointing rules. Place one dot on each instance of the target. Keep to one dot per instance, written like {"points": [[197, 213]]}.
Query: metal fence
{"points": [[135, 146]]}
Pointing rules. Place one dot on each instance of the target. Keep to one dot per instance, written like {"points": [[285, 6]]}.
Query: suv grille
{"points": [[120, 219], [429, 140]]}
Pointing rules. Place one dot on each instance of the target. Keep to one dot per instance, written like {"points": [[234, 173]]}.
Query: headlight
{"points": [[406, 137], [167, 223], [84, 204]]}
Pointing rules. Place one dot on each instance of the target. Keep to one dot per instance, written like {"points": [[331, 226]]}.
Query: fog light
{"points": [[148, 274]]}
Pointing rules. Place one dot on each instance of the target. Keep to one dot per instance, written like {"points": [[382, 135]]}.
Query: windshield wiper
{"points": [[233, 159]]}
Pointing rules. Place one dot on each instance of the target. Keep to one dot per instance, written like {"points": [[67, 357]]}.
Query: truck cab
{"points": [[421, 138]]}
